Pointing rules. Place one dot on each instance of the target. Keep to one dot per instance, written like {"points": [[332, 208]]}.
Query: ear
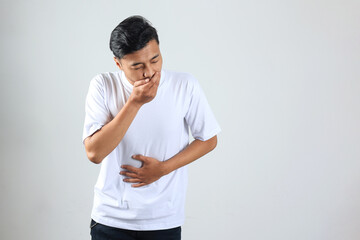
{"points": [[117, 61]]}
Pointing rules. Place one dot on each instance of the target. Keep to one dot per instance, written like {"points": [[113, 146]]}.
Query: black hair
{"points": [[130, 35]]}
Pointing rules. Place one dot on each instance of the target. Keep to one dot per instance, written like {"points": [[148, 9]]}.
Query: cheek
{"points": [[159, 66], [135, 76]]}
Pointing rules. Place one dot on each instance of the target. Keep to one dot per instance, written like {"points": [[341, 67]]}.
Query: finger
{"points": [[156, 77], [130, 168], [141, 82], [132, 180], [155, 80], [154, 87], [140, 157], [139, 185], [128, 174], [150, 82]]}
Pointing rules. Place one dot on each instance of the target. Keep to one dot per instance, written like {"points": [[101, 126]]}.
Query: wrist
{"points": [[166, 167], [133, 103]]}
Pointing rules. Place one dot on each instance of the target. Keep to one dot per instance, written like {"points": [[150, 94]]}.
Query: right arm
{"points": [[102, 142], [105, 140]]}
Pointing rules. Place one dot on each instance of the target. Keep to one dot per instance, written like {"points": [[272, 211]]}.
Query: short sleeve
{"points": [[199, 116], [96, 112]]}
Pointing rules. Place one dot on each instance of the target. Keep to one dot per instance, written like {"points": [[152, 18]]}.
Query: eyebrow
{"points": [[138, 63]]}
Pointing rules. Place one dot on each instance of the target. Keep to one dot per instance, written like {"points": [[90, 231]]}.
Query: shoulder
{"points": [[181, 76], [106, 78], [106, 82], [183, 79]]}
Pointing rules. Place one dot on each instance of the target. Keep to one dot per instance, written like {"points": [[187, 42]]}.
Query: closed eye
{"points": [[137, 68]]}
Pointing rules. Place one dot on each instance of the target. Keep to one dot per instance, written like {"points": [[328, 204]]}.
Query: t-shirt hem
{"points": [[138, 227]]}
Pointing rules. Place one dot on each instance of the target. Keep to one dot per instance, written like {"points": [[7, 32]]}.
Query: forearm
{"points": [[104, 141], [195, 150]]}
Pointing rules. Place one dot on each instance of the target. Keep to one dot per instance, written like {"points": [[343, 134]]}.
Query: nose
{"points": [[148, 72]]}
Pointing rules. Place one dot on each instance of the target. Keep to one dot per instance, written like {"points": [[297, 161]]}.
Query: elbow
{"points": [[212, 143], [93, 157], [91, 154]]}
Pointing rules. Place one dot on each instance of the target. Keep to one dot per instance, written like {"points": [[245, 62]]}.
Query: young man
{"points": [[137, 125]]}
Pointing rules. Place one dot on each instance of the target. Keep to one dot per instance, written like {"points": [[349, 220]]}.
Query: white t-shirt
{"points": [[159, 130]]}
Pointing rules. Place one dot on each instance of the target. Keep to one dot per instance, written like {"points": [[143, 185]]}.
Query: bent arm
{"points": [[195, 150], [154, 169], [104, 141]]}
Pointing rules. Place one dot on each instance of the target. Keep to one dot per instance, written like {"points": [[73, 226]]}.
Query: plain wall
{"points": [[282, 78]]}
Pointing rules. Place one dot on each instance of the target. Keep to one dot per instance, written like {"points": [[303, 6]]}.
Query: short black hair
{"points": [[131, 35]]}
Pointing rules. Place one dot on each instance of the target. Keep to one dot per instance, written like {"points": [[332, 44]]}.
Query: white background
{"points": [[282, 78]]}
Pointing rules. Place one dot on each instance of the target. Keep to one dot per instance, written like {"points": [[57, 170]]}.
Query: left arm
{"points": [[154, 169]]}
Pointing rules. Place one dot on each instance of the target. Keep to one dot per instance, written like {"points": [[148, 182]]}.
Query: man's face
{"points": [[141, 64]]}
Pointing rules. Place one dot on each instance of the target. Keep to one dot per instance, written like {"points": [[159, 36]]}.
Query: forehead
{"points": [[150, 50]]}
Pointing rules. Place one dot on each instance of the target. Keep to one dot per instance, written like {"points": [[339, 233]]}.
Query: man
{"points": [[137, 125]]}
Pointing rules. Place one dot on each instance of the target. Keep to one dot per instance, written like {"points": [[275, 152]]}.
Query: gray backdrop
{"points": [[282, 77]]}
